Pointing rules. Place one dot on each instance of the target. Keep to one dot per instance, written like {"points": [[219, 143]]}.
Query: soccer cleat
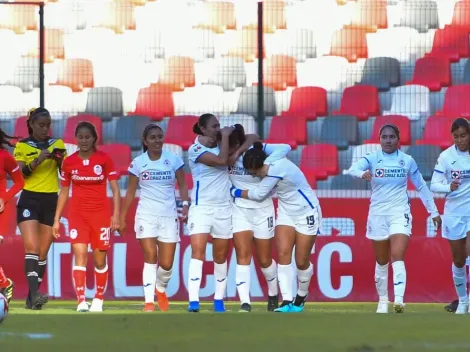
{"points": [[298, 304], [193, 307], [462, 308], [245, 308], [38, 301], [219, 306], [96, 305], [149, 307], [273, 303], [399, 307], [452, 307], [8, 291], [162, 301], [83, 307], [382, 307], [284, 308]]}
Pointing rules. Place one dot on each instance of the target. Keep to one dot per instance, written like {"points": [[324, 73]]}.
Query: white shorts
{"points": [[381, 227], [455, 227], [163, 228], [259, 220], [216, 221], [307, 224]]}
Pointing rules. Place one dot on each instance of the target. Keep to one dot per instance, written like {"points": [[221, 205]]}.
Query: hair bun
{"points": [[258, 145]]}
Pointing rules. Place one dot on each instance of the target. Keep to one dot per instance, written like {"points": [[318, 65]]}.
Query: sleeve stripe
{"points": [[279, 177], [439, 171], [179, 168], [15, 169], [367, 160], [196, 160]]}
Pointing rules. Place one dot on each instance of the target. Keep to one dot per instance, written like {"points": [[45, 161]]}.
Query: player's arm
{"points": [[210, 159], [276, 152], [133, 182], [249, 140], [113, 177], [20, 157], [12, 169], [360, 167], [422, 188], [439, 182], [179, 174], [264, 188], [65, 181]]}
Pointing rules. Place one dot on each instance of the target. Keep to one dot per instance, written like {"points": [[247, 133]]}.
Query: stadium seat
{"points": [[25, 74], [120, 154], [13, 101], [129, 129], [411, 100], [54, 43], [178, 73], [245, 45], [425, 157], [466, 73], [361, 101], [248, 122], [72, 122], [381, 72], [155, 102], [280, 72], [341, 131], [248, 102], [349, 43], [288, 131], [450, 43], [461, 15], [274, 17], [346, 182], [309, 102], [437, 132], [229, 73], [20, 18], [329, 72], [456, 102], [71, 148], [402, 122], [105, 102], [360, 151], [219, 16], [179, 131], [76, 74], [173, 149], [21, 130], [198, 44], [370, 15], [421, 15], [298, 43], [195, 101], [432, 72], [117, 16], [318, 161]]}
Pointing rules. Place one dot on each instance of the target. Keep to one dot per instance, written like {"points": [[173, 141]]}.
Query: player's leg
{"points": [[80, 253], [398, 245], [243, 242], [149, 272], [459, 254], [6, 286], [100, 244], [166, 253], [285, 241], [45, 241]]}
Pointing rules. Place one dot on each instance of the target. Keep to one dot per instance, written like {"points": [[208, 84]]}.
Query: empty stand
{"points": [[361, 151], [437, 132], [25, 74], [402, 122], [350, 43], [155, 102], [120, 154], [411, 100], [318, 161], [370, 16], [129, 129], [348, 182], [361, 101], [456, 101], [229, 73], [76, 74], [381, 72], [105, 102], [287, 130], [451, 43], [72, 122], [245, 45], [420, 15], [248, 102], [180, 131], [248, 122], [20, 18], [298, 43], [280, 72], [425, 157], [341, 131], [219, 16], [309, 102], [117, 16], [21, 129], [178, 73], [432, 72]]}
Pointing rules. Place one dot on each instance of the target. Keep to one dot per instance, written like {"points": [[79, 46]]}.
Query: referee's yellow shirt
{"points": [[44, 178]]}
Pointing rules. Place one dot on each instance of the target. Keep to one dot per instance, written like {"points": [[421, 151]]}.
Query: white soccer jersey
{"points": [[295, 196], [211, 183], [389, 182], [453, 165], [242, 179], [157, 183]]}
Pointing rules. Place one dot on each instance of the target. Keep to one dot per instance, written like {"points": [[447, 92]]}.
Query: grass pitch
{"points": [[322, 327]]}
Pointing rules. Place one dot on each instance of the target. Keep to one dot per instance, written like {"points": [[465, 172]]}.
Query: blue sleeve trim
{"points": [[197, 192], [415, 171], [279, 177], [200, 156], [179, 168], [441, 172], [367, 160], [265, 145], [305, 197]]}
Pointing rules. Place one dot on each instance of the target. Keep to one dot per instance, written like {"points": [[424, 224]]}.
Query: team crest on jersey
{"points": [[379, 173], [98, 169], [167, 162], [73, 234], [455, 174], [197, 148], [401, 163], [145, 176], [26, 213]]}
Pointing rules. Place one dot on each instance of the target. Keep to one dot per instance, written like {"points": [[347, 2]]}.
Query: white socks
{"points": [[304, 277], [460, 282], [149, 277], [242, 278], [399, 280], [270, 273], [220, 275], [286, 277], [194, 279], [163, 277], [381, 281]]}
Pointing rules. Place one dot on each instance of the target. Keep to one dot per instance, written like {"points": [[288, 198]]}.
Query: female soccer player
{"points": [[452, 176], [8, 166], [90, 220], [156, 219], [39, 157], [389, 222], [298, 220], [253, 221]]}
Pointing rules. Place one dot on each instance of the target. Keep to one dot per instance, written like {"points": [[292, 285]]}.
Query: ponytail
{"points": [[254, 158], [5, 139], [197, 129], [32, 115]]}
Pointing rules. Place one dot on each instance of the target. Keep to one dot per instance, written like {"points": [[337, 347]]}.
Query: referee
{"points": [[39, 157]]}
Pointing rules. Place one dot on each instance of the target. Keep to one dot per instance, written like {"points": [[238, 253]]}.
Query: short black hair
{"points": [[254, 157], [146, 132], [393, 127], [33, 114]]}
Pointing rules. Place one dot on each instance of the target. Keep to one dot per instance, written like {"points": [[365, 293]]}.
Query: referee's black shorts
{"points": [[36, 206]]}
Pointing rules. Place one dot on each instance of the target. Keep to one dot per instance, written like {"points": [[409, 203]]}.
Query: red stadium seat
{"points": [[450, 43], [432, 72], [221, 17], [361, 101], [350, 43], [402, 122], [178, 73], [456, 102], [461, 16], [274, 17], [319, 161], [245, 45], [20, 18], [120, 154], [437, 132], [76, 74], [73, 121], [155, 102], [309, 102], [370, 15], [179, 131], [280, 72], [287, 130], [21, 130], [118, 16]]}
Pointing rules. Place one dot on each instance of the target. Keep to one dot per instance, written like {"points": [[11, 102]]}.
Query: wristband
{"points": [[235, 192], [185, 203]]}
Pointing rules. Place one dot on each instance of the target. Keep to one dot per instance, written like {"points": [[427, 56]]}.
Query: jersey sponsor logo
{"points": [[460, 174], [156, 175], [236, 170], [390, 173], [87, 178], [379, 173], [98, 170]]}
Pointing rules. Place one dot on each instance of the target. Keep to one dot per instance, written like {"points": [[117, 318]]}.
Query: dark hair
{"points": [[254, 158], [33, 114], [460, 122], [4, 139], [90, 127], [237, 136], [202, 122], [146, 133], [393, 127]]}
